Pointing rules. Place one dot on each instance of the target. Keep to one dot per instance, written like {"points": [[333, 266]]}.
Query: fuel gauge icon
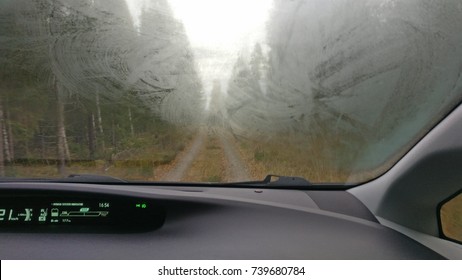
{"points": [[55, 212]]}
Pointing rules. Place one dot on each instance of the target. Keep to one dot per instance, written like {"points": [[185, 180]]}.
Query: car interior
{"points": [[352, 112]]}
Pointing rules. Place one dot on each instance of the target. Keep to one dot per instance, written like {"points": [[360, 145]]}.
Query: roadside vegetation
{"points": [[116, 139], [293, 156]]}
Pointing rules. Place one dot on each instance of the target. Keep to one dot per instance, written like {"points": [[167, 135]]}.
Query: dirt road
{"points": [[186, 159], [191, 161], [236, 169]]}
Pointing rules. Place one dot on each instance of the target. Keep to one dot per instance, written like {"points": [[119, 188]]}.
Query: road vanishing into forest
{"points": [[233, 164]]}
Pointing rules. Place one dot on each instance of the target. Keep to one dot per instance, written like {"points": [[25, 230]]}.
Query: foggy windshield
{"points": [[222, 90]]}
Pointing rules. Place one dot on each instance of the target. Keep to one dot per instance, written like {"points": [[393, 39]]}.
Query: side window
{"points": [[450, 214]]}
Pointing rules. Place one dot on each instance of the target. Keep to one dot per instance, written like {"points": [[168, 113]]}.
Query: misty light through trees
{"points": [[218, 32]]}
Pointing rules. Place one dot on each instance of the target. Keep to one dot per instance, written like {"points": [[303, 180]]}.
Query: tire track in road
{"points": [[236, 169], [186, 159]]}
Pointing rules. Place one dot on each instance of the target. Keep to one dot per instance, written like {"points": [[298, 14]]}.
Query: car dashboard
{"points": [[104, 221]]}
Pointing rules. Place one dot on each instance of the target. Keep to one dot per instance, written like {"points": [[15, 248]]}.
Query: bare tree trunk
{"points": [[66, 146], [42, 140], [62, 146], [113, 134], [2, 159], [91, 136], [6, 144], [61, 132], [100, 121], [4, 134], [10, 135], [132, 130]]}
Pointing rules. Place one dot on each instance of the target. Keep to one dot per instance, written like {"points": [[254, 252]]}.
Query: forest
{"points": [[81, 87]]}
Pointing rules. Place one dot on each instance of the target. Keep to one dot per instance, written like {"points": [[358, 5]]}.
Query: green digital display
{"points": [[78, 210], [55, 212]]}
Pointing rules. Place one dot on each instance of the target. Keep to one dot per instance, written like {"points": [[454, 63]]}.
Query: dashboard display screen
{"points": [[66, 209]]}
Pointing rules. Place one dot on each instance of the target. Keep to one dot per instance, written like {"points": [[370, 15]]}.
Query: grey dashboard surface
{"points": [[222, 223]]}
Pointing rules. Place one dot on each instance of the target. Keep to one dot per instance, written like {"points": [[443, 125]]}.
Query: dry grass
{"points": [[290, 156], [140, 160], [133, 171]]}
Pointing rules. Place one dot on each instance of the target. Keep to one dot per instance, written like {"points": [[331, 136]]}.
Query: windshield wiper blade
{"points": [[92, 178], [277, 181]]}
